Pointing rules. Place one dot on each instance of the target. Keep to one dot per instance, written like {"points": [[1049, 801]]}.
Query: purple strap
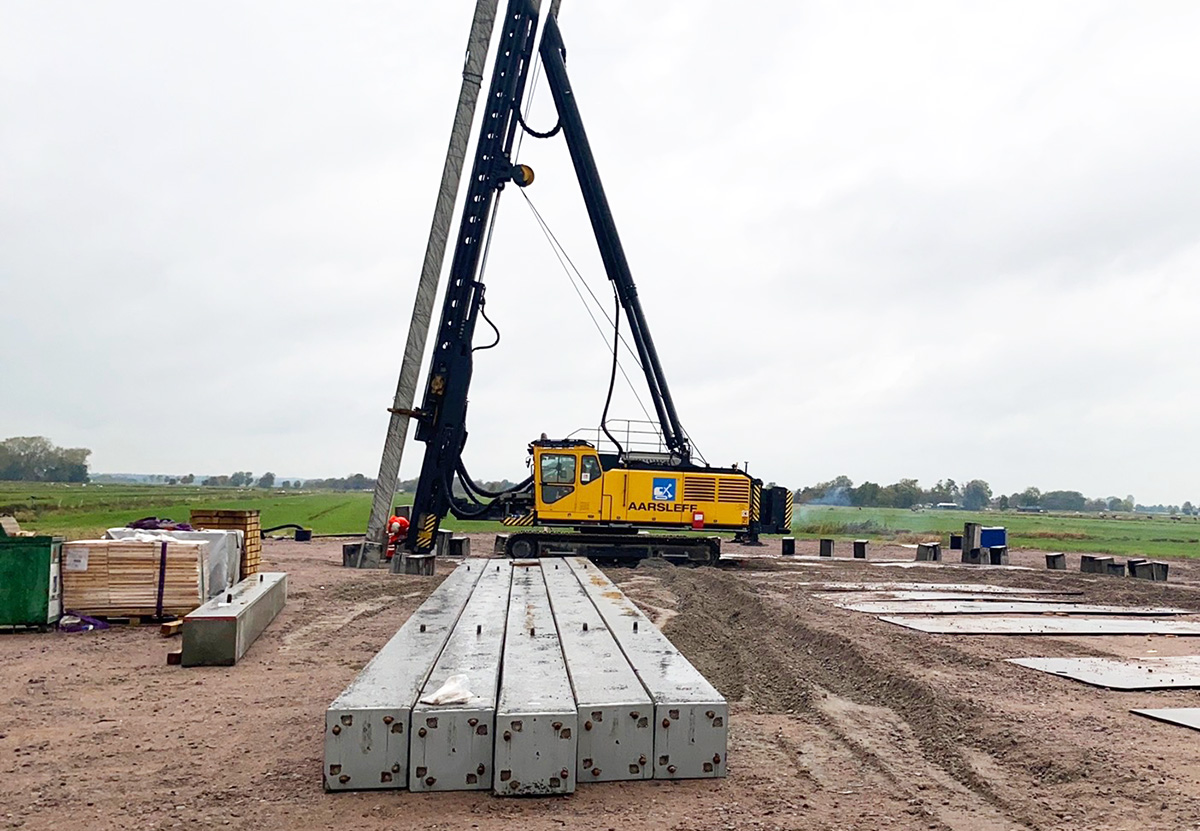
{"points": [[162, 578]]}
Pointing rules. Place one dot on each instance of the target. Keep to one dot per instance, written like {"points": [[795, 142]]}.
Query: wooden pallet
{"points": [[248, 522], [120, 578]]}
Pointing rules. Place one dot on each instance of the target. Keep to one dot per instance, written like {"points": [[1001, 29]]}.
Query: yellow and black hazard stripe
{"points": [[520, 521], [427, 529], [755, 502], [787, 511]]}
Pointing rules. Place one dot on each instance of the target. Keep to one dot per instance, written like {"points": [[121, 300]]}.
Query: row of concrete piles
{"points": [[562, 680]]}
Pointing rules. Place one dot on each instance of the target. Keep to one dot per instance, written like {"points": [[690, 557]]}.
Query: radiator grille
{"points": [[699, 489], [733, 490]]}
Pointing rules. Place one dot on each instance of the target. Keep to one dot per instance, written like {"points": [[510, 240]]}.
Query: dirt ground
{"points": [[839, 721]]}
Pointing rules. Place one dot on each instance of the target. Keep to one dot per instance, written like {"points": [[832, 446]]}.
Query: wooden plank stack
{"points": [[120, 578], [247, 522]]}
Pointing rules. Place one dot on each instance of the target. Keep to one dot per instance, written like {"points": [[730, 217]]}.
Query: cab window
{"points": [[557, 476], [590, 470]]}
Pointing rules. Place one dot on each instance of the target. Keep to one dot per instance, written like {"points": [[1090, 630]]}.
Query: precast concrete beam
{"points": [[450, 746], [367, 726], [219, 632], [616, 739], [536, 723], [691, 718]]}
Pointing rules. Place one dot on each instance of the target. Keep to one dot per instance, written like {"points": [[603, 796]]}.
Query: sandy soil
{"points": [[839, 721]]}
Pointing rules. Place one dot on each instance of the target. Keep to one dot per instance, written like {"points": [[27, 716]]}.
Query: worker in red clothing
{"points": [[397, 531]]}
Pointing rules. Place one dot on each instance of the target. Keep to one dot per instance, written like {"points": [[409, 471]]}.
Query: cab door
{"points": [[569, 485]]}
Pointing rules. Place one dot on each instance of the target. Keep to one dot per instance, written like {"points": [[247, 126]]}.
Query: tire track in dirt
{"points": [[760, 651]]}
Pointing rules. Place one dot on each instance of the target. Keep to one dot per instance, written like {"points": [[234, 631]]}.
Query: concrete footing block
{"points": [[973, 556], [956, 542], [460, 547], [929, 551], [219, 632], [788, 548], [1147, 570], [1056, 562], [421, 564], [1132, 563], [1114, 569], [500, 546], [826, 547], [997, 556], [860, 549], [1094, 564]]}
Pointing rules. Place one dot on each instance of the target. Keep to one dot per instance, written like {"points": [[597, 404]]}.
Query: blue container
{"points": [[993, 537]]}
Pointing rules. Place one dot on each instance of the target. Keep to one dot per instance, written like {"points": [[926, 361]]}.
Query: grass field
{"points": [[1129, 534], [79, 512]]}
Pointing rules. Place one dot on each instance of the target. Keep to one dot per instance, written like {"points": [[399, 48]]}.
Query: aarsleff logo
{"points": [[664, 490]]}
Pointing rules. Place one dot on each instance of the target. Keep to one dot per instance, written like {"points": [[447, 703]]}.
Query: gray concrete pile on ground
{"points": [[451, 745], [690, 717], [366, 727], [984, 606], [616, 740], [1182, 716], [219, 632], [536, 719]]}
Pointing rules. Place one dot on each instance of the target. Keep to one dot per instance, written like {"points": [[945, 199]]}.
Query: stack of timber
{"points": [[127, 578], [558, 679], [248, 522]]}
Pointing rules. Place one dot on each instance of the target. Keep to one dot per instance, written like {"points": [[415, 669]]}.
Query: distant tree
{"points": [[267, 480], [1002, 503], [1188, 508], [241, 478], [1031, 498], [1062, 501], [37, 459], [172, 481], [1095, 505], [976, 495], [903, 494], [216, 482], [1129, 504], [865, 495], [189, 479]]}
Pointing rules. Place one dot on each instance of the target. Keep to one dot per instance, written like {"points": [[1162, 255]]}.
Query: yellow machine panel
{"points": [[572, 488]]}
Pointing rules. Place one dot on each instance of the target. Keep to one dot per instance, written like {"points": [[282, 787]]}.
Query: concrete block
{"points": [[1132, 562], [826, 547], [1147, 570], [788, 546], [441, 542], [1094, 564], [860, 549], [1114, 569], [997, 555], [930, 551], [1056, 561], [371, 558], [219, 632], [420, 564], [973, 556], [451, 746], [956, 542], [460, 547], [691, 718], [500, 546], [616, 737], [536, 724], [367, 726]]}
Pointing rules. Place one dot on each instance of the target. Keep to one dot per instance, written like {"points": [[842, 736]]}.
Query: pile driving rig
{"points": [[594, 503]]}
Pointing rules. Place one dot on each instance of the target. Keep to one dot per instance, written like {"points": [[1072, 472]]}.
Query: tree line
{"points": [[974, 495], [37, 459]]}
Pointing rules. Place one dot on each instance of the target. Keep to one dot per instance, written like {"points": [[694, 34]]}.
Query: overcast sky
{"points": [[880, 239]]}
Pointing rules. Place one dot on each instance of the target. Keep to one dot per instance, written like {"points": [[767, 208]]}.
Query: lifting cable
{"points": [[568, 266]]}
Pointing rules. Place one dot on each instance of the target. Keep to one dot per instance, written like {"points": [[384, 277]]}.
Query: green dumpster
{"points": [[30, 585]]}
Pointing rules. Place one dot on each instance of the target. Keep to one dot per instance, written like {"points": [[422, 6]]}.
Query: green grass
{"points": [[1124, 534], [78, 512]]}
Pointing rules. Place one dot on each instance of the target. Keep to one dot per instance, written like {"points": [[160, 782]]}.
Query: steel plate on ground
{"points": [[967, 607], [1182, 716], [843, 598], [982, 625], [616, 740], [966, 588], [1122, 673]]}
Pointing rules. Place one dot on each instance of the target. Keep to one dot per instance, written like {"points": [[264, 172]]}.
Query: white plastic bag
{"points": [[454, 691]]}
